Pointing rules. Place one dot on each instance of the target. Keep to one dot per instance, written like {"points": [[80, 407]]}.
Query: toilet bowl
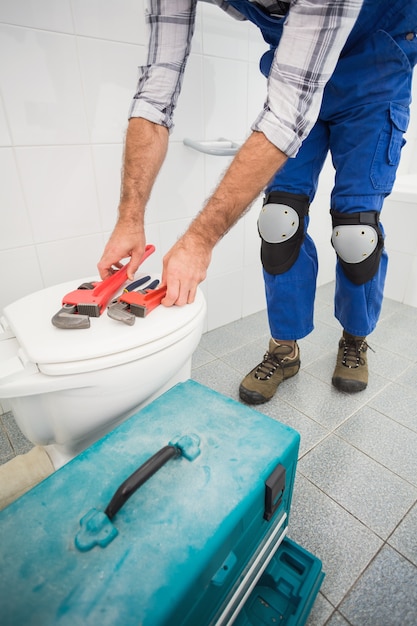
{"points": [[66, 388]]}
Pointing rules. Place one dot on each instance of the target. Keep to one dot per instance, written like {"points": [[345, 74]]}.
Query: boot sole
{"points": [[253, 397], [350, 386]]}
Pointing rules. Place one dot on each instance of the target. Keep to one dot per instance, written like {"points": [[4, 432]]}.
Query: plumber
{"points": [[339, 80]]}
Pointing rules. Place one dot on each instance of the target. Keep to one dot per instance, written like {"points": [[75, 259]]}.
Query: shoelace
{"points": [[269, 365], [352, 352]]}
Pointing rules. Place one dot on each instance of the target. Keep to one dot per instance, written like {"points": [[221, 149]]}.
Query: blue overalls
{"points": [[364, 113]]}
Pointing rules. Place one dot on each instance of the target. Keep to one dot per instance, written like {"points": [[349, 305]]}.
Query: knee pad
{"points": [[281, 228], [358, 241]]}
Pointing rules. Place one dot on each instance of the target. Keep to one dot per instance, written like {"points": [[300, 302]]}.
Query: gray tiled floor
{"points": [[355, 497]]}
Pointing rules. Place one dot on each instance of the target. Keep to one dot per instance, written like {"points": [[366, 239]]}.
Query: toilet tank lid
{"points": [[29, 319]]}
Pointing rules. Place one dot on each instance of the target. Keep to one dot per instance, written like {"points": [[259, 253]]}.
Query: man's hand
{"points": [[145, 149], [126, 241], [184, 267]]}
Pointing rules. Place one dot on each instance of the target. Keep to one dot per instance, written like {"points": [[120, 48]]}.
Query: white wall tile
{"points": [[63, 113], [197, 41], [225, 98], [69, 259], [398, 275], [327, 263], [224, 299], [25, 276], [60, 191], [109, 74], [41, 87], [253, 299], [45, 14], [15, 228], [105, 19], [5, 139], [170, 232], [396, 216], [179, 188], [228, 254], [223, 36], [410, 296], [257, 45], [252, 243], [153, 264], [256, 93], [107, 159], [189, 115]]}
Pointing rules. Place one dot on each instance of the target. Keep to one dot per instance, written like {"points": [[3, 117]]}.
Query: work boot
{"points": [[280, 362], [351, 371]]}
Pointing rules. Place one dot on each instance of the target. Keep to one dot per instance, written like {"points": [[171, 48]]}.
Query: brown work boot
{"points": [[280, 362], [351, 371]]}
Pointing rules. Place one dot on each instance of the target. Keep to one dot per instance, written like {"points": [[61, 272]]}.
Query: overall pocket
{"points": [[388, 149]]}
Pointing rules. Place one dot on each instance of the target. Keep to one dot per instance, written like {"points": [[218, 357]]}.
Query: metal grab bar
{"points": [[218, 147]]}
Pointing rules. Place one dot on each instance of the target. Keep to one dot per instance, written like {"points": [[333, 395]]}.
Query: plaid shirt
{"points": [[313, 37]]}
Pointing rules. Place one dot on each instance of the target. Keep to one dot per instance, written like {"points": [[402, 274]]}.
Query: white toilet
{"points": [[66, 388]]}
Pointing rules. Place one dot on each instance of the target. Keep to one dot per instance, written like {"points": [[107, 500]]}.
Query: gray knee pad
{"points": [[358, 241], [281, 228]]}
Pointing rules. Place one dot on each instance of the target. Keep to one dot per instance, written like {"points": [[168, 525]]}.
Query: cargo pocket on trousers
{"points": [[388, 150]]}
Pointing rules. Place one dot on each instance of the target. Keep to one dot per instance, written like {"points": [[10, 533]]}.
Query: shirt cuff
{"points": [[141, 108], [274, 129]]}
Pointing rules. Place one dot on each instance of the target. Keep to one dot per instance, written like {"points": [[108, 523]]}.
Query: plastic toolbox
{"points": [[286, 591], [169, 519]]}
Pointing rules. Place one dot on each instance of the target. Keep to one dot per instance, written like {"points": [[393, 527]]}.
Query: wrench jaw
{"points": [[68, 318], [139, 310], [120, 311]]}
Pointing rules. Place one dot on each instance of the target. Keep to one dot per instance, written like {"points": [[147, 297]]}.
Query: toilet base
{"points": [[60, 454]]}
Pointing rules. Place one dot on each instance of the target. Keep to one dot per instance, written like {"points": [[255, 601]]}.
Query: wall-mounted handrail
{"points": [[218, 147]]}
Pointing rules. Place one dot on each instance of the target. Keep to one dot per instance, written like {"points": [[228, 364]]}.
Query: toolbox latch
{"points": [[274, 489]]}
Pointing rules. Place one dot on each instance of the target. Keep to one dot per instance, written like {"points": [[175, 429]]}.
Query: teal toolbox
{"points": [[181, 542]]}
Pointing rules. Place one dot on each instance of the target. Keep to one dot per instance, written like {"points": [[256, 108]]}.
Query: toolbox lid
{"points": [[57, 351], [181, 545]]}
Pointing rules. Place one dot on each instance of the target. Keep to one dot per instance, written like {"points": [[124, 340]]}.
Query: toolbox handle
{"points": [[96, 526], [139, 477]]}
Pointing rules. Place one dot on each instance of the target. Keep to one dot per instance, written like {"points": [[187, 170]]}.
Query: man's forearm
{"points": [[145, 149], [250, 171]]}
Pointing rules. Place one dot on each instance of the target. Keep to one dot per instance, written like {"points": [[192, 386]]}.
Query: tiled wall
{"points": [[68, 71]]}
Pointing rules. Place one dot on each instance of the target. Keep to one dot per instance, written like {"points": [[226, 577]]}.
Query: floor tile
{"points": [[246, 357], [318, 400], [369, 491], [402, 342], [223, 340], [321, 611], [6, 450], [404, 539], [18, 441], [386, 363], [218, 376], [408, 378], [337, 620], [356, 482], [385, 595], [344, 545], [323, 369], [201, 357], [399, 403], [310, 431], [383, 439]]}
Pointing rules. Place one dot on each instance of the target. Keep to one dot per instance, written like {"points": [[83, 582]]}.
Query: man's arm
{"points": [[145, 150], [185, 265], [171, 26]]}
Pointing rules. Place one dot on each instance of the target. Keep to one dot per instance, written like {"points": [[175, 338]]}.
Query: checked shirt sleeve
{"points": [[171, 27], [314, 34]]}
